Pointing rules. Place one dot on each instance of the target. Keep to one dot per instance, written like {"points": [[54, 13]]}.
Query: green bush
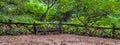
{"points": [[24, 31], [11, 32], [2, 32]]}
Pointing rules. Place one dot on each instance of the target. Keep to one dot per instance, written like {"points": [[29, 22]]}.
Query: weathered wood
{"points": [[91, 26], [35, 28], [61, 24], [10, 25], [113, 31], [76, 27], [21, 23]]}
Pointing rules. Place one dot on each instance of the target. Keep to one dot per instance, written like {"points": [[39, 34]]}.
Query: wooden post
{"points": [[113, 31], [35, 29], [60, 26], [9, 24], [86, 29], [76, 27]]}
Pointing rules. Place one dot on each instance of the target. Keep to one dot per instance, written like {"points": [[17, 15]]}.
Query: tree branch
{"points": [[49, 6]]}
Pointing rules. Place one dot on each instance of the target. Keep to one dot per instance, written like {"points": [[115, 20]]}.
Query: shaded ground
{"points": [[60, 39]]}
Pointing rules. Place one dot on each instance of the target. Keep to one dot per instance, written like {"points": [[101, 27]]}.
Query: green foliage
{"points": [[24, 30], [14, 32], [11, 32], [2, 32], [102, 13], [3, 18], [65, 5], [25, 18], [36, 7]]}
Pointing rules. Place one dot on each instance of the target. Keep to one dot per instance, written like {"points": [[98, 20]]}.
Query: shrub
{"points": [[2, 32], [11, 32]]}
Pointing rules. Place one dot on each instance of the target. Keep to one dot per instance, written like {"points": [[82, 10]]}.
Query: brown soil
{"points": [[59, 39]]}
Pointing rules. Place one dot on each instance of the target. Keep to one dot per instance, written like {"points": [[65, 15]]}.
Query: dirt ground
{"points": [[59, 39]]}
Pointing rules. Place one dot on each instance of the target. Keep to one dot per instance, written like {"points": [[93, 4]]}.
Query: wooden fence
{"points": [[59, 28], [34, 26], [113, 28]]}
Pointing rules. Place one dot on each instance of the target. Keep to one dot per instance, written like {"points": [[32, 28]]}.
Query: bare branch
{"points": [[49, 6]]}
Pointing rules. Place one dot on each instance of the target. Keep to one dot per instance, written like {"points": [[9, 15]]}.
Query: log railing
{"points": [[60, 26]]}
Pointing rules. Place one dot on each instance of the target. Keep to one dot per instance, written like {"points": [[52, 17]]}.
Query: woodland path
{"points": [[58, 39]]}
